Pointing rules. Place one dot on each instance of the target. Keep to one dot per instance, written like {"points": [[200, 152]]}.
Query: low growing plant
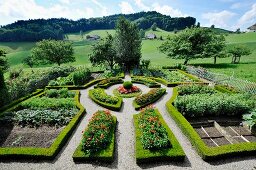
{"points": [[195, 89], [150, 96], [61, 93], [100, 95]]}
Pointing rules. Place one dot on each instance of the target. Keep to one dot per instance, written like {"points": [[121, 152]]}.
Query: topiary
{"points": [[127, 85]]}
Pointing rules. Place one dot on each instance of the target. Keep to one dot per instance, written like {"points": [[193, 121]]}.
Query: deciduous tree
{"points": [[237, 52], [4, 65]]}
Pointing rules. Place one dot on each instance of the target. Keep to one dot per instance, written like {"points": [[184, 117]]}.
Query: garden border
{"points": [[115, 107], [106, 155], [46, 153], [207, 153], [175, 153], [137, 106], [129, 95]]}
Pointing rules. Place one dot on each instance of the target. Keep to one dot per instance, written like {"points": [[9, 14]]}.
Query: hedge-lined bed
{"points": [[207, 153], [129, 95], [102, 151], [52, 151], [100, 97], [166, 148], [146, 99], [146, 81], [105, 83]]}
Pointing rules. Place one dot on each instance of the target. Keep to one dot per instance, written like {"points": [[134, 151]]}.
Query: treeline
{"points": [[38, 29]]}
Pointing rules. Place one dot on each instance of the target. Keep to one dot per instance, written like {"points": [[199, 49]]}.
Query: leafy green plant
{"points": [[100, 95], [81, 77], [196, 105], [195, 89], [62, 93], [97, 135], [150, 96], [250, 119], [127, 85], [154, 135], [175, 76], [110, 80]]}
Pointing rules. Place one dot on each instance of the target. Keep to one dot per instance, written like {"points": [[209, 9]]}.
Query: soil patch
{"points": [[16, 136]]}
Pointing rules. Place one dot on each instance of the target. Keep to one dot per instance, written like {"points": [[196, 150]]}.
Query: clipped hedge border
{"points": [[223, 89], [137, 106], [46, 153], [115, 107], [14, 103], [207, 153], [129, 95], [106, 155], [147, 84], [175, 153]]}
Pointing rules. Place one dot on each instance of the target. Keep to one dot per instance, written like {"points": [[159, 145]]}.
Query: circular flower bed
{"points": [[127, 90]]}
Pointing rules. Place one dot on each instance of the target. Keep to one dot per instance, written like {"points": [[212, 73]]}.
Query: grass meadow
{"points": [[245, 70]]}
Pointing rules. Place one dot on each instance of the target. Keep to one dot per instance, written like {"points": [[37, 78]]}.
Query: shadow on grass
{"points": [[221, 65]]}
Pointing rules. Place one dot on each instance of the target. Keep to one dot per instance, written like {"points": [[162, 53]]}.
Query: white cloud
{"points": [[103, 8], [13, 10], [237, 5], [65, 1], [168, 10], [249, 17], [141, 5], [126, 8], [219, 19]]}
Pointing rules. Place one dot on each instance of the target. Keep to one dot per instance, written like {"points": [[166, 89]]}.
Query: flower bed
{"points": [[195, 89], [154, 139], [109, 82], [127, 92], [207, 153], [42, 151], [99, 96], [98, 141], [146, 81], [145, 99]]}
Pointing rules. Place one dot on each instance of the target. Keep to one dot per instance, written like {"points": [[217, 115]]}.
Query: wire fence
{"points": [[222, 79]]}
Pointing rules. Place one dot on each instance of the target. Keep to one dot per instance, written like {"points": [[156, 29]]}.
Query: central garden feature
{"points": [[127, 90]]}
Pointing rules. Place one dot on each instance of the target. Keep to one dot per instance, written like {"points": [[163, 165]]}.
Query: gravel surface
{"points": [[125, 156]]}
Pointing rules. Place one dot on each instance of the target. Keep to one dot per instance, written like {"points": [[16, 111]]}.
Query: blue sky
{"points": [[228, 14]]}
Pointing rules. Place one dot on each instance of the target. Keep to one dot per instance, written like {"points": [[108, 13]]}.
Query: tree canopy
{"points": [[103, 52], [154, 27], [193, 43], [53, 51], [127, 44], [4, 65], [237, 52]]}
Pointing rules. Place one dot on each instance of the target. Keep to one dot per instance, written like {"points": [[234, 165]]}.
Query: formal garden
{"points": [[125, 114]]}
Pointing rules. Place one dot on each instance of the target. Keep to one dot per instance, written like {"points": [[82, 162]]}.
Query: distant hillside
{"points": [[220, 30], [56, 28]]}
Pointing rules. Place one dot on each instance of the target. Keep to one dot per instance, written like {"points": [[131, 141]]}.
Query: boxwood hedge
{"points": [[53, 150], [174, 153], [207, 153]]}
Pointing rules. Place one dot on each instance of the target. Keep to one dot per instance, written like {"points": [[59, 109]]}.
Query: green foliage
{"points": [[103, 52], [149, 97], [154, 27], [154, 135], [100, 95], [127, 85], [108, 82], [36, 118], [4, 65], [250, 119], [97, 135], [30, 61], [237, 52], [62, 93], [146, 81], [127, 44], [81, 77], [193, 43], [196, 105], [195, 89], [142, 33], [176, 76], [145, 63], [15, 72], [52, 51], [48, 103], [4, 95]]}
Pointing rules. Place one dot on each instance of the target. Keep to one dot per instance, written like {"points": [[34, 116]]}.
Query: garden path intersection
{"points": [[125, 143]]}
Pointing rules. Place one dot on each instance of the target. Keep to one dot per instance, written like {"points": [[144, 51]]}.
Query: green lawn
{"points": [[245, 70]]}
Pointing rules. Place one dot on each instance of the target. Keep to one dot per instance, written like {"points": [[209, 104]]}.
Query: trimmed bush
{"points": [[105, 83], [172, 153], [127, 85], [110, 102], [145, 99], [146, 81]]}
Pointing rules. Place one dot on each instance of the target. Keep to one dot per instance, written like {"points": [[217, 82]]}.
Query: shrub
{"points": [[110, 80], [4, 95], [15, 73], [175, 76], [250, 119], [62, 93], [127, 85], [154, 135], [194, 89], [48, 103], [100, 95], [150, 96], [213, 105], [81, 77], [97, 135], [35, 118]]}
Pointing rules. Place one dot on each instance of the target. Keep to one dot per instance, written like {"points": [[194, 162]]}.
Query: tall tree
{"points": [[4, 65], [103, 52], [193, 43], [154, 27], [4, 97], [237, 52], [127, 44], [30, 61], [53, 51], [142, 33]]}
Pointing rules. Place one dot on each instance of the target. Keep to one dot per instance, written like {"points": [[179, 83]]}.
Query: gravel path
{"points": [[124, 158]]}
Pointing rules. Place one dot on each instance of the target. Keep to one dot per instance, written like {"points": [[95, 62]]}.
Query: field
{"points": [[245, 70]]}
